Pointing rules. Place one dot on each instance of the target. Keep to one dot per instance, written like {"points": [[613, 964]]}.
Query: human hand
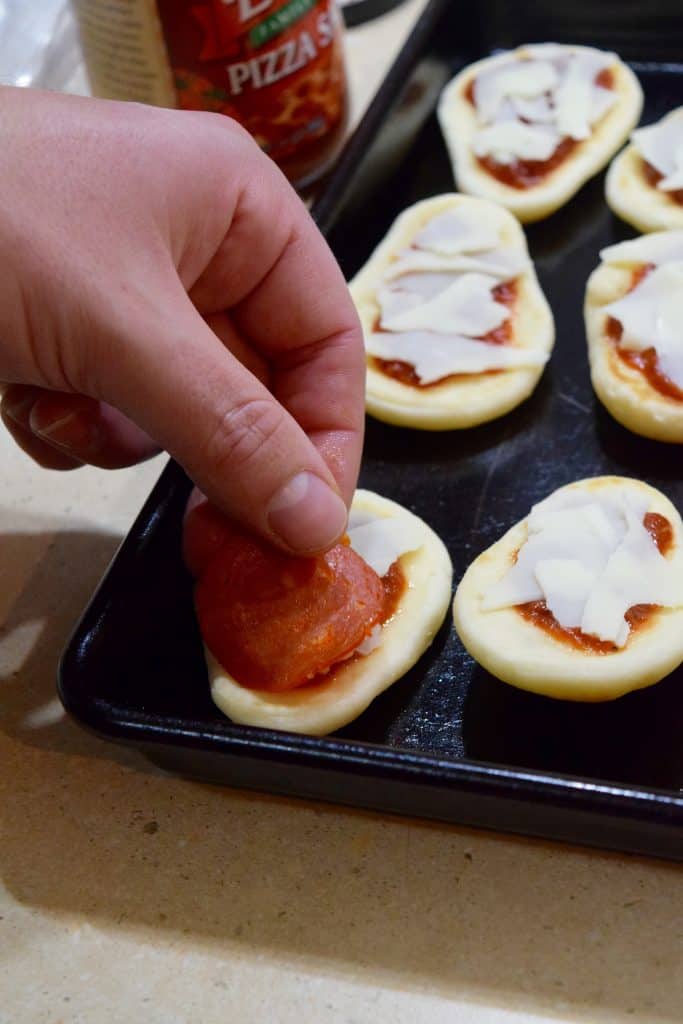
{"points": [[164, 287]]}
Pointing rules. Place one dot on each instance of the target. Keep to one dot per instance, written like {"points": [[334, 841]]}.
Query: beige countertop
{"points": [[127, 895]]}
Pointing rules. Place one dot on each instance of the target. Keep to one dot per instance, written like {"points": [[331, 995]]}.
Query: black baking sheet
{"points": [[448, 741]]}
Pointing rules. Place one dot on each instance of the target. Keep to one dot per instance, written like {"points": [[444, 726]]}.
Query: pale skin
{"points": [[163, 287]]}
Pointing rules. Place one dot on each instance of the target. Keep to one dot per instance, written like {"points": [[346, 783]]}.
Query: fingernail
{"points": [[75, 431], [306, 514]]}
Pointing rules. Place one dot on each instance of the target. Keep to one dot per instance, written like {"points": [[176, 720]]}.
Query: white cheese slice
{"points": [[358, 517], [503, 264], [527, 104], [507, 111], [465, 307], [552, 535], [525, 78], [435, 356], [457, 231], [409, 291], [635, 574], [556, 53], [605, 517], [509, 141], [658, 247], [661, 145], [539, 109], [602, 100], [579, 102], [420, 285], [381, 541], [651, 316], [573, 100], [591, 559], [674, 181], [566, 585], [395, 301], [371, 642]]}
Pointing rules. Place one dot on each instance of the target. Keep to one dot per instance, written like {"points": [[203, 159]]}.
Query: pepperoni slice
{"points": [[205, 530], [274, 621]]}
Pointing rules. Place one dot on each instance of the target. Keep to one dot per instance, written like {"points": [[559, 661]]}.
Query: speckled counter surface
{"points": [[127, 895]]}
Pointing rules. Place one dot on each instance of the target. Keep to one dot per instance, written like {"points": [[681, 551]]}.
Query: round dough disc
{"points": [[317, 710], [459, 124], [524, 655], [476, 398], [632, 198], [624, 391]]}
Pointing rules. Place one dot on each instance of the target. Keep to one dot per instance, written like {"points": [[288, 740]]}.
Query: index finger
{"points": [[287, 297]]}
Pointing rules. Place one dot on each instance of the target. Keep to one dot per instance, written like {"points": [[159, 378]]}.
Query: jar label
{"points": [[276, 66]]}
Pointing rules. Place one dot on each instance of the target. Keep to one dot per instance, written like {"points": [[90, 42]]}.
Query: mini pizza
{"points": [[582, 600], [457, 330], [644, 185], [305, 644], [529, 127], [634, 326]]}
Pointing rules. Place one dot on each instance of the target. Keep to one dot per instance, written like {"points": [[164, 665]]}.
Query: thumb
{"points": [[184, 388]]}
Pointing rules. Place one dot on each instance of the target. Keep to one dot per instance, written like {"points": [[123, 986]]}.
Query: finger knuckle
{"points": [[238, 438]]}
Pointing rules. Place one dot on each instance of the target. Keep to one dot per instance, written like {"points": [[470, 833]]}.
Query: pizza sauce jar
{"points": [[276, 66]]}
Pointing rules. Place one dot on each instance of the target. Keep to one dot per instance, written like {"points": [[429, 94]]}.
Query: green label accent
{"points": [[280, 21]]}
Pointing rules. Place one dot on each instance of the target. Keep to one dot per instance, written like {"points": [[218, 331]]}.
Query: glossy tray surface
{"points": [[447, 741]]}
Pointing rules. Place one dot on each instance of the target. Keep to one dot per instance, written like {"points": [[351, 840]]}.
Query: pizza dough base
{"points": [[321, 709], [459, 124], [630, 196], [476, 398], [624, 391], [527, 657]]}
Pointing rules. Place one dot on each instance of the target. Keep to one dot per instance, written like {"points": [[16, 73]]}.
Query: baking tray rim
{"points": [[126, 725]]}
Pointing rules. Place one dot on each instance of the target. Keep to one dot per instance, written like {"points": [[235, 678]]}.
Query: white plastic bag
{"points": [[39, 45]]}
